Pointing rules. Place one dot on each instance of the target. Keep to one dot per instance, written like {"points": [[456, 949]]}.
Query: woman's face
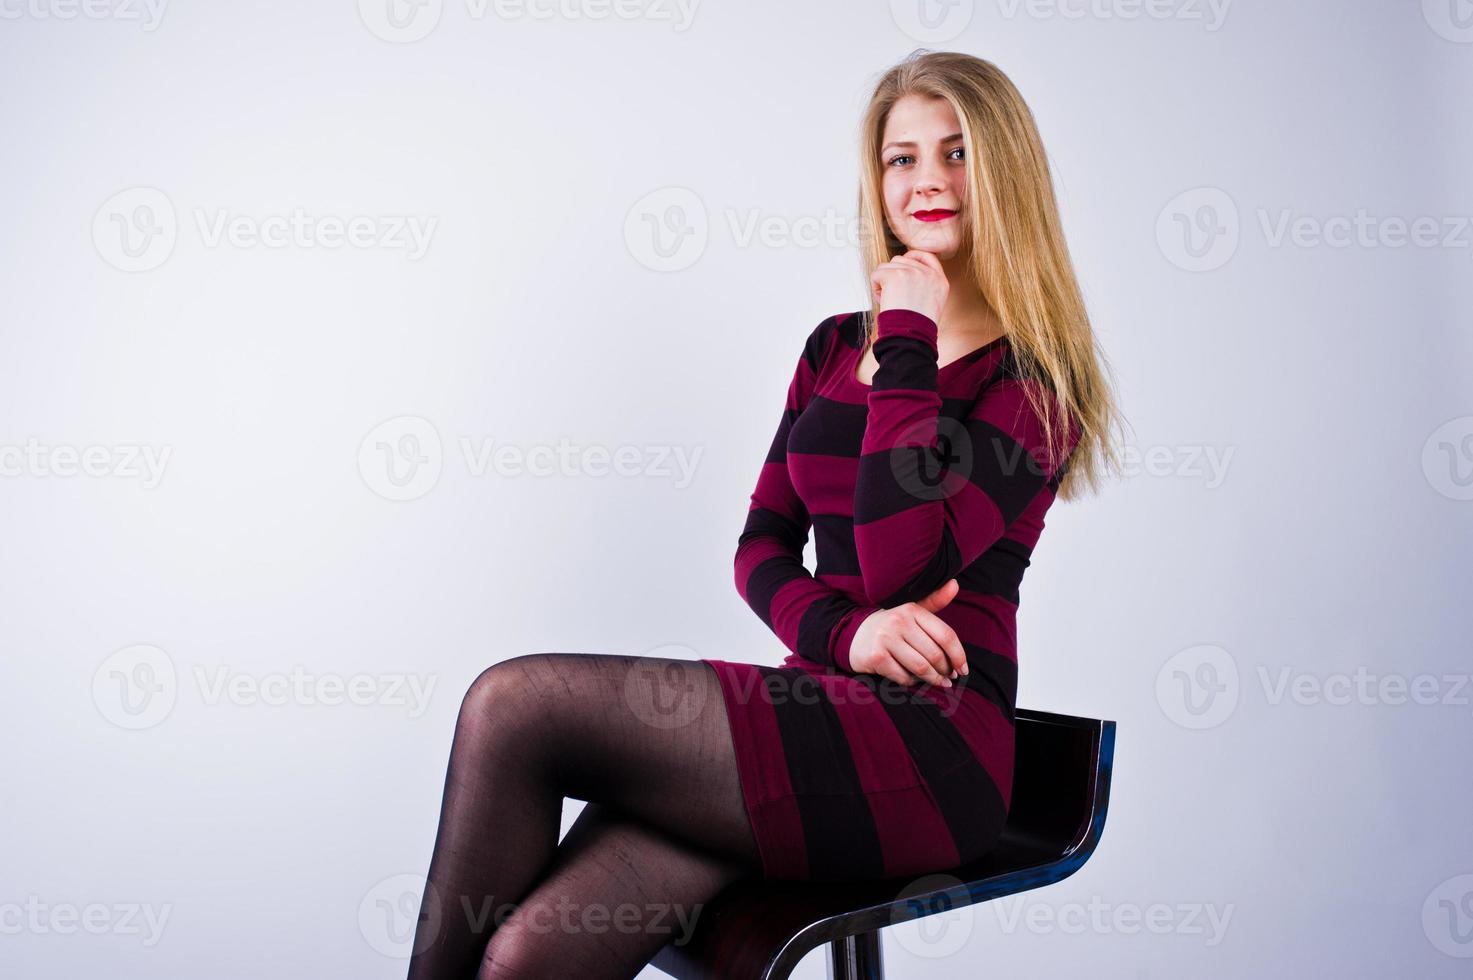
{"points": [[924, 169]]}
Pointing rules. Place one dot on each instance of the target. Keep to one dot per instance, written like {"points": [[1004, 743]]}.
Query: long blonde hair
{"points": [[1018, 256]]}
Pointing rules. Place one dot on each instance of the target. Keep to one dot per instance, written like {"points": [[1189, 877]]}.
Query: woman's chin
{"points": [[942, 243]]}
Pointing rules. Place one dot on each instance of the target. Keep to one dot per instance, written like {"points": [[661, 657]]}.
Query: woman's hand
{"points": [[913, 281], [910, 643]]}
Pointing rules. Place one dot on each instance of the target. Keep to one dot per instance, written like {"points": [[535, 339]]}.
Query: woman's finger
{"points": [[915, 662], [891, 669], [923, 643], [925, 258], [945, 637]]}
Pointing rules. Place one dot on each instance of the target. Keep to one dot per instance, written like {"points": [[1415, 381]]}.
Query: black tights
{"points": [[645, 741]]}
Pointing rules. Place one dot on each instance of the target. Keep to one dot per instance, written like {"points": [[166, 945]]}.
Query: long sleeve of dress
{"points": [[931, 498], [814, 620]]}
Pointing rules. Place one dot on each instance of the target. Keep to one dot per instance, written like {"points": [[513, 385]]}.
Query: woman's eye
{"points": [[906, 156]]}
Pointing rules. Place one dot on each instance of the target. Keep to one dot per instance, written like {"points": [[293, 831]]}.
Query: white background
{"points": [[1332, 379]]}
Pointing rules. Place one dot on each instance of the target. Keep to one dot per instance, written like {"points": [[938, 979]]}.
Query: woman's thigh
{"points": [[647, 735]]}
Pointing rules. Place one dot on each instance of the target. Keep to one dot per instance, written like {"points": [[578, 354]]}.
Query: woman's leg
{"points": [[645, 735], [618, 891]]}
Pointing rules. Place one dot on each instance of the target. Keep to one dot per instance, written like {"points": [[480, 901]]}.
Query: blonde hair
{"points": [[1015, 243]]}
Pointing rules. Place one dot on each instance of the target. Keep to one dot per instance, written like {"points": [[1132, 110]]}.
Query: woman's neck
{"points": [[967, 313]]}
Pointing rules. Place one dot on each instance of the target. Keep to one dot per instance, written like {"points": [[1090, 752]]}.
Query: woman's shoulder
{"points": [[834, 331]]}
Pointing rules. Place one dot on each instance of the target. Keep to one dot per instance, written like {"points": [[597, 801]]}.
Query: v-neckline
{"points": [[852, 369]]}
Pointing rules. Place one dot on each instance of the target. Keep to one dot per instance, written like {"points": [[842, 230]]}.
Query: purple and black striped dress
{"points": [[924, 475]]}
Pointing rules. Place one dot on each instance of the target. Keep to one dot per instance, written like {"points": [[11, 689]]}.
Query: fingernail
{"points": [[945, 682]]}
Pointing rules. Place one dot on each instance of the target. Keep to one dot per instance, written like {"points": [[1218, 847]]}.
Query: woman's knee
{"points": [[503, 691], [525, 945]]}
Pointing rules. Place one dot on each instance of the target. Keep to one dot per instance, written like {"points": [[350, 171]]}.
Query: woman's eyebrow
{"points": [[948, 139]]}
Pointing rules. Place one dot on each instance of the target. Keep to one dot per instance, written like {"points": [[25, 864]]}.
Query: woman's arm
{"points": [[920, 516], [814, 620]]}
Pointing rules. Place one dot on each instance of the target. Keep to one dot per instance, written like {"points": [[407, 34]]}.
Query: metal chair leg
{"points": [[857, 958]]}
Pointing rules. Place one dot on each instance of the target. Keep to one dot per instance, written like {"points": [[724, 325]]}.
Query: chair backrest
{"points": [[1061, 781]]}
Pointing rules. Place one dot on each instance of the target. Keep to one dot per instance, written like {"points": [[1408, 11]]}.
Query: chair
{"points": [[759, 930]]}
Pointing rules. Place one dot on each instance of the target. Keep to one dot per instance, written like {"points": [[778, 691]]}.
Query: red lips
{"points": [[939, 214]]}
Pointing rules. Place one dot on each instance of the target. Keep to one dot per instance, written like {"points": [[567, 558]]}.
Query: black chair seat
{"points": [[759, 930]]}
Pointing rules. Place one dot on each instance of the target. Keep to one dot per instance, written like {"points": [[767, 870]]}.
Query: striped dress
{"points": [[924, 475]]}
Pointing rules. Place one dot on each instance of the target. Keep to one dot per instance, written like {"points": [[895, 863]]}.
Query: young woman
{"points": [[923, 440]]}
